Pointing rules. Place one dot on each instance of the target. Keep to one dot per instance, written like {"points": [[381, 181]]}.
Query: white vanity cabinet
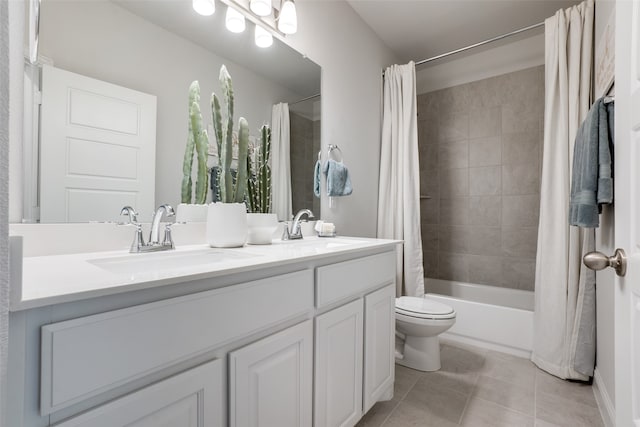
{"points": [[299, 344], [270, 381], [354, 343], [190, 399]]}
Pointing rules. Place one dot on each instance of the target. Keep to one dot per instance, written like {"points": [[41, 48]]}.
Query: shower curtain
{"points": [[399, 188], [564, 325], [280, 162]]}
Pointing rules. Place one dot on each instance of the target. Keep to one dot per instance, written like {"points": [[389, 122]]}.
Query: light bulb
{"points": [[234, 20], [288, 21], [261, 7], [262, 37], [204, 7]]}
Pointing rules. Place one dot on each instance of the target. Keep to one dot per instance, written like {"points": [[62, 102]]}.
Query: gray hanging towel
{"points": [[591, 178], [338, 180]]}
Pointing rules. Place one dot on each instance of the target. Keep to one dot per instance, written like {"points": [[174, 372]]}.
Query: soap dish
{"points": [[327, 234]]}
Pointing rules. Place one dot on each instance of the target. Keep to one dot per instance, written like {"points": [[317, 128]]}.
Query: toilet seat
{"points": [[423, 308]]}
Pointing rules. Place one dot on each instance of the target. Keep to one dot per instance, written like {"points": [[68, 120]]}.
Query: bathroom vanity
{"points": [[291, 334]]}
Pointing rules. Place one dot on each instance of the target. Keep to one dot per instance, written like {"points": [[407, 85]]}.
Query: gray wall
{"points": [[480, 155]]}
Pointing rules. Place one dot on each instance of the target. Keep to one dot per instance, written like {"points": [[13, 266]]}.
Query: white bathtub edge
{"points": [[448, 337]]}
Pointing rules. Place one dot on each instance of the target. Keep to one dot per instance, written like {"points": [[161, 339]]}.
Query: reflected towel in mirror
{"points": [[338, 180]]}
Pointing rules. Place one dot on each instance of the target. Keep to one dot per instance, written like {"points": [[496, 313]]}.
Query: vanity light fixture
{"points": [[263, 38], [261, 7], [288, 20], [234, 20], [204, 7]]}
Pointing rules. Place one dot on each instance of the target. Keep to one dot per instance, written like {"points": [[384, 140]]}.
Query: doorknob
{"points": [[599, 261]]}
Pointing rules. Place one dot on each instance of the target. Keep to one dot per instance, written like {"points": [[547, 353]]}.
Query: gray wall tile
{"points": [[520, 147], [453, 127], [480, 153], [454, 183], [485, 181], [453, 266], [454, 211], [520, 242], [485, 151], [520, 211], [453, 155], [485, 270], [518, 273], [485, 122], [453, 239], [485, 210], [485, 241], [523, 178]]}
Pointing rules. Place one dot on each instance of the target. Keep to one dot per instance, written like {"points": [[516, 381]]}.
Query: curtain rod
{"points": [[305, 99], [491, 40]]}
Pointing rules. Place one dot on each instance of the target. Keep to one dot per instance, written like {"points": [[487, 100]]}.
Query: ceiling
{"points": [[419, 29]]}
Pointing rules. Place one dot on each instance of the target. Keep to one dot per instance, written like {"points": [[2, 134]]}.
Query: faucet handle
{"points": [[168, 240], [285, 234], [133, 215]]}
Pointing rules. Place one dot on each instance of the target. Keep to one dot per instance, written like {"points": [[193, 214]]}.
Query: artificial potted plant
{"points": [[193, 207], [261, 222], [227, 219]]}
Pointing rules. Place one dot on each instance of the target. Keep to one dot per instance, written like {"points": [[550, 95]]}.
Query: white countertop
{"points": [[48, 280]]}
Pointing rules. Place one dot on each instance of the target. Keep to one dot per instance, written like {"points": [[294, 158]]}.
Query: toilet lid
{"points": [[423, 307]]}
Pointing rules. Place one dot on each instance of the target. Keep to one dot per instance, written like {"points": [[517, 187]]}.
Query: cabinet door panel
{"points": [[338, 372], [379, 341], [271, 380], [193, 398]]}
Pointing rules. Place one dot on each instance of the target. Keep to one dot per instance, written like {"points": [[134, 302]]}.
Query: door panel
{"points": [[97, 149]]}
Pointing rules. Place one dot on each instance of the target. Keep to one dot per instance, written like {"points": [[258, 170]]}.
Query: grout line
{"points": [[390, 413], [466, 405]]}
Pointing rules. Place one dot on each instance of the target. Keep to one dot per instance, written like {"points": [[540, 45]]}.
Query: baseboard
{"points": [[455, 338], [605, 405]]}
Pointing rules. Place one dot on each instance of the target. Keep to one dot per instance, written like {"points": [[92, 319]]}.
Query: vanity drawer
{"points": [[339, 281], [87, 356]]}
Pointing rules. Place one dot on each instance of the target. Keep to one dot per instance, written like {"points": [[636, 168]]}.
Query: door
{"points": [[193, 398], [97, 149], [270, 381], [338, 371], [379, 344], [627, 213]]}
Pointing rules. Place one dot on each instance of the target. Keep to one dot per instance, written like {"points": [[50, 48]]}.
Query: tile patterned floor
{"points": [[479, 388]]}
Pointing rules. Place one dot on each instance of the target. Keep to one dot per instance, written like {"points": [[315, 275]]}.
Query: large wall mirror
{"points": [[134, 61]]}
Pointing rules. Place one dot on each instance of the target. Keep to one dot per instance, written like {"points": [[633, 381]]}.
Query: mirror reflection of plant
{"points": [[231, 189], [259, 176], [198, 141]]}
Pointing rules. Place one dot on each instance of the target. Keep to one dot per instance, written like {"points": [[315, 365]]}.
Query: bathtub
{"points": [[487, 316]]}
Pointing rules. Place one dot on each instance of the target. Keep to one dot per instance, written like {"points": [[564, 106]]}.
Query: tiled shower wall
{"points": [[480, 155], [304, 146]]}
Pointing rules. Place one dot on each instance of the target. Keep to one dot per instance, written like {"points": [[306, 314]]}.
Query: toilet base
{"points": [[421, 353]]}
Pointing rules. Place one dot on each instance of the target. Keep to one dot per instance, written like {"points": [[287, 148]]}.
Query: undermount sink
{"points": [[165, 261]]}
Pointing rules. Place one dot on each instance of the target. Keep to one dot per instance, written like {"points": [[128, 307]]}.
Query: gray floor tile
{"points": [[444, 403], [565, 412], [405, 379], [482, 413], [462, 383], [462, 360], [511, 369], [516, 397], [406, 415], [378, 414], [578, 392]]}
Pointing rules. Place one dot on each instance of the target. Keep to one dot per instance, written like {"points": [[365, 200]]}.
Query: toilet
{"points": [[420, 321]]}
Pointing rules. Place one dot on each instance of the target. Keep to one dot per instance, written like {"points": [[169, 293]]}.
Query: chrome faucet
{"points": [[296, 232], [138, 245]]}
